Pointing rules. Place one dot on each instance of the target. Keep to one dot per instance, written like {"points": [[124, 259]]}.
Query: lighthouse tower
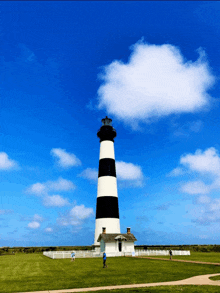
{"points": [[107, 211]]}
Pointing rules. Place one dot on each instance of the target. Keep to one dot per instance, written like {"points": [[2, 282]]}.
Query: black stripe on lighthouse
{"points": [[107, 207], [107, 167]]}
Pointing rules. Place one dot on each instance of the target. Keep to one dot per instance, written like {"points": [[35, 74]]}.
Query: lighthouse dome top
{"points": [[107, 121], [106, 132]]}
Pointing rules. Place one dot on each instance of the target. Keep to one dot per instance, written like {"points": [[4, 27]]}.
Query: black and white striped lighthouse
{"points": [[107, 211]]}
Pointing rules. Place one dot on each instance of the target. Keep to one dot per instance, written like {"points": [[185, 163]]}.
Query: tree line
{"points": [[194, 247], [37, 249]]}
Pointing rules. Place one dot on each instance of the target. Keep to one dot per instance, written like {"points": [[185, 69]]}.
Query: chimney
{"points": [[103, 230], [128, 230]]}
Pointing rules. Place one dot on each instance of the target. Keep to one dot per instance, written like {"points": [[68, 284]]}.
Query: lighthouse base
{"points": [[112, 225]]}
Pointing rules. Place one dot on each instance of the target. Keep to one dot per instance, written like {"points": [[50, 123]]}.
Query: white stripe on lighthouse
{"points": [[107, 150], [107, 186]]}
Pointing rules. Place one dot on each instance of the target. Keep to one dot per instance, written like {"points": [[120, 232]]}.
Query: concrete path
{"points": [[181, 260], [198, 280]]}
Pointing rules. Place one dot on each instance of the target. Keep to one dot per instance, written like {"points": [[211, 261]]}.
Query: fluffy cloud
{"points": [[65, 159], [6, 163], [90, 174], [129, 173], [195, 187], [34, 225], [48, 229], [37, 189], [156, 81], [38, 218], [207, 210], [176, 172], [187, 128], [58, 185], [55, 201], [81, 212], [43, 190], [205, 164], [75, 216]]}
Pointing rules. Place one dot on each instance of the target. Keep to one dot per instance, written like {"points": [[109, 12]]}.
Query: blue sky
{"points": [[153, 67]]}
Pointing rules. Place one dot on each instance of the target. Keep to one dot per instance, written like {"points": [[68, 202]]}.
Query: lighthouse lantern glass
{"points": [[107, 121]]}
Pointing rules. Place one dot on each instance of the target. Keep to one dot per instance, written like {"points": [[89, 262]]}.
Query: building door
{"points": [[119, 245]]}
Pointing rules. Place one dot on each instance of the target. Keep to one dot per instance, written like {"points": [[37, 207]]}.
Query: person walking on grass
{"points": [[170, 252], [104, 260], [73, 256]]}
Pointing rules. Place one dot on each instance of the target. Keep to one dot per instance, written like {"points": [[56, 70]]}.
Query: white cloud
{"points": [[6, 163], [90, 174], [48, 229], [129, 175], [37, 218], [65, 159], [58, 185], [203, 162], [128, 171], [176, 172], [81, 212], [156, 81], [195, 187], [55, 201], [76, 216], [205, 165], [37, 189], [207, 210], [203, 199], [34, 225], [187, 128]]}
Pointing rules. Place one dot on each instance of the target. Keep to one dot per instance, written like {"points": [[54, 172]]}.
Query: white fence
{"points": [[67, 254], [160, 252], [92, 253]]}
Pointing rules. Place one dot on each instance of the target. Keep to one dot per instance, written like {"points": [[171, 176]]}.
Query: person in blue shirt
{"points": [[73, 256], [104, 260]]}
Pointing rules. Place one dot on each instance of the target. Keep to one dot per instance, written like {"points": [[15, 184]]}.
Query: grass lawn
{"points": [[196, 256], [215, 279], [167, 289], [33, 272]]}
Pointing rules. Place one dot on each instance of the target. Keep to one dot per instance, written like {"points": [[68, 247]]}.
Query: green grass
{"points": [[197, 256], [215, 278], [167, 289], [33, 272]]}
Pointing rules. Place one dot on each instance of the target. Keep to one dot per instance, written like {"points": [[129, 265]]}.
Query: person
{"points": [[73, 256], [170, 252], [104, 260]]}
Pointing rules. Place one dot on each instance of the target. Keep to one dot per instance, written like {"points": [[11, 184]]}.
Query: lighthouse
{"points": [[107, 210]]}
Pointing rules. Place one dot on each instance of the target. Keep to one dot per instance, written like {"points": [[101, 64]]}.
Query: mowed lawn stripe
{"points": [[212, 257], [35, 272]]}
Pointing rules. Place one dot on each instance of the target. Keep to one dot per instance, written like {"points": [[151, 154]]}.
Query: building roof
{"points": [[109, 237]]}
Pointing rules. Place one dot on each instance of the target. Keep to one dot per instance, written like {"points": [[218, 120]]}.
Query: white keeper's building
{"points": [[117, 244]]}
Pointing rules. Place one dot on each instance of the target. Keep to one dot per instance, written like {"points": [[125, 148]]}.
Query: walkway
{"points": [[181, 260], [198, 280]]}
